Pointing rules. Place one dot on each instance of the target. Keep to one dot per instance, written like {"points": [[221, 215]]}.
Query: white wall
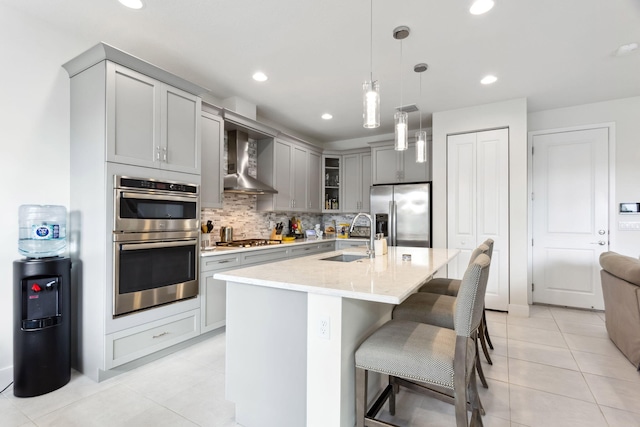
{"points": [[625, 113], [511, 114], [34, 136]]}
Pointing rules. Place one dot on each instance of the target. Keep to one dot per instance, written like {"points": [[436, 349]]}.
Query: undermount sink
{"points": [[344, 258]]}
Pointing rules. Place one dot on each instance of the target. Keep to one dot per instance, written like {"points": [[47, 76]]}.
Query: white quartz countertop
{"points": [[386, 278]]}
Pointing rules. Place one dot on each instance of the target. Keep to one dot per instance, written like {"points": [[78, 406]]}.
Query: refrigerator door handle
{"points": [[392, 223]]}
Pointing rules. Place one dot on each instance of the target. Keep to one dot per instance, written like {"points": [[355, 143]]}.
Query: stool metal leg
{"points": [[361, 395]]}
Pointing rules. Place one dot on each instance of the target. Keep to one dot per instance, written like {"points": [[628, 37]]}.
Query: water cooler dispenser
{"points": [[42, 325]]}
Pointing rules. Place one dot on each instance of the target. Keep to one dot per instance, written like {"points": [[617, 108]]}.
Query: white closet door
{"points": [[478, 205], [461, 197], [492, 207]]}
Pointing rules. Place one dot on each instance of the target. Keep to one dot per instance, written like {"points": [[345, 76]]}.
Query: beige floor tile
{"points": [[499, 371], [538, 336], [499, 346], [117, 406], [496, 316], [603, 346], [495, 399], [533, 322], [541, 409], [540, 311], [78, 387], [497, 329], [547, 378], [576, 316], [615, 393], [10, 416], [616, 417], [587, 329], [540, 353], [612, 367]]}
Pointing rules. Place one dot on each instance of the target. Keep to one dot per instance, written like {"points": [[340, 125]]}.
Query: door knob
{"points": [[601, 232], [599, 242]]}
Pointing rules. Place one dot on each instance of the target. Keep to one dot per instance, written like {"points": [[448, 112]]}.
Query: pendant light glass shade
{"points": [[402, 130], [421, 146], [371, 104]]}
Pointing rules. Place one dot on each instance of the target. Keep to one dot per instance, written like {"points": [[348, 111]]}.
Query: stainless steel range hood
{"points": [[238, 179]]}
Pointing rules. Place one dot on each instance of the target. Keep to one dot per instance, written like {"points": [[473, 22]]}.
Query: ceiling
{"points": [[317, 53]]}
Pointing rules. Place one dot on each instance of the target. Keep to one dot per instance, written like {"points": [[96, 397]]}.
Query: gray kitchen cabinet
{"points": [[290, 166], [213, 292], [350, 243], [311, 249], [212, 138], [395, 167], [150, 123], [332, 173], [314, 187], [356, 181]]}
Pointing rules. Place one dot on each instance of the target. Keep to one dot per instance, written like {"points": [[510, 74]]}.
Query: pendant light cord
{"points": [[401, 104], [421, 100], [371, 41]]}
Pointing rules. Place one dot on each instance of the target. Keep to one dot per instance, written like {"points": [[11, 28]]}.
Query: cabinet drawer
{"points": [[130, 344], [260, 256], [215, 262]]}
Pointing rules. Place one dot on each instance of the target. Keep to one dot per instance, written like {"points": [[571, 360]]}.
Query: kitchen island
{"points": [[293, 327]]}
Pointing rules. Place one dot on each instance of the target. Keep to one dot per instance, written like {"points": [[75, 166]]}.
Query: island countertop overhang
{"points": [[387, 278]]}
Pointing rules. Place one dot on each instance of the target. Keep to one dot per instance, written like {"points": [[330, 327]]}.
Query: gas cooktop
{"points": [[248, 243]]}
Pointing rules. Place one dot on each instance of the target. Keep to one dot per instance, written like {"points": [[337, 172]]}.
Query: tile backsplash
{"points": [[239, 211]]}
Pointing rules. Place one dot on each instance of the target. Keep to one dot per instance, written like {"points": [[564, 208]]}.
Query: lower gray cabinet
{"points": [[213, 292]]}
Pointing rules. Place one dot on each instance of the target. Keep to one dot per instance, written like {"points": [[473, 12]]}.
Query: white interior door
{"points": [[570, 220], [478, 206]]}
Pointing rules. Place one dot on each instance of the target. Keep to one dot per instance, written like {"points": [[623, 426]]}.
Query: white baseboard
{"points": [[519, 310]]}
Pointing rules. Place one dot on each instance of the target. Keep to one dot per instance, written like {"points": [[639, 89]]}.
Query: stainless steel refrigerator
{"points": [[403, 213]]}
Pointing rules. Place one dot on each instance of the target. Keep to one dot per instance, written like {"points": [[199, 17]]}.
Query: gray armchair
{"points": [[621, 291]]}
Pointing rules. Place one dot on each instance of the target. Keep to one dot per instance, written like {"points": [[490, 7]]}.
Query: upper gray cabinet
{"points": [[396, 167], [212, 138], [153, 124], [293, 168], [357, 181]]}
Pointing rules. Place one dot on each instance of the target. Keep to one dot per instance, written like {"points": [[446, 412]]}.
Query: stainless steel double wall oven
{"points": [[155, 243]]}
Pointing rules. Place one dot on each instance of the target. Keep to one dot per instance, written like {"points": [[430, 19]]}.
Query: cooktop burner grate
{"points": [[247, 243]]}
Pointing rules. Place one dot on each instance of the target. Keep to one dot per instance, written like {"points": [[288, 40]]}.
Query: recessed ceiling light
{"points": [[478, 7], [626, 49], [327, 116], [260, 77], [132, 4], [487, 80]]}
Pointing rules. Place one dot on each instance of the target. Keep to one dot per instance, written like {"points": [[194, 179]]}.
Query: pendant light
{"points": [[371, 90], [421, 135], [400, 118]]}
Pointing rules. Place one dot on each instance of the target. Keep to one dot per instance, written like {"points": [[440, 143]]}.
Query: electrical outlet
{"points": [[324, 327]]}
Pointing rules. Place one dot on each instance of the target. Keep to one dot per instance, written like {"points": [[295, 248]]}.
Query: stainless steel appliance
{"points": [[152, 205], [248, 243], [226, 234], [403, 213], [155, 243]]}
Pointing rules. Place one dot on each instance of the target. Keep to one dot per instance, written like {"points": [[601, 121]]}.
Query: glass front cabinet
{"points": [[331, 182]]}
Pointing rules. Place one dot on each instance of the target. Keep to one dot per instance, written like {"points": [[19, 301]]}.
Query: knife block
{"points": [[275, 236]]}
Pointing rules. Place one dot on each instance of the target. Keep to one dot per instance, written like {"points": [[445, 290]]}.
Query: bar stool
{"points": [[433, 360], [447, 286], [439, 310]]}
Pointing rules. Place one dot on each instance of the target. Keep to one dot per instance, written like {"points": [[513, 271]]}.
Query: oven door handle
{"points": [[132, 195], [156, 245]]}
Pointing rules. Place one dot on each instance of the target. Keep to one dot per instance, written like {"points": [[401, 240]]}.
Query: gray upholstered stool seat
{"points": [[412, 350]]}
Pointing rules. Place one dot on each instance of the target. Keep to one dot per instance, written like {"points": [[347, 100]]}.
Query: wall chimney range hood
{"points": [[238, 179]]}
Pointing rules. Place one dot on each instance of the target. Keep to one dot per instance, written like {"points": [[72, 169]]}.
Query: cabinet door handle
{"points": [[158, 153], [160, 335], [164, 154]]}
